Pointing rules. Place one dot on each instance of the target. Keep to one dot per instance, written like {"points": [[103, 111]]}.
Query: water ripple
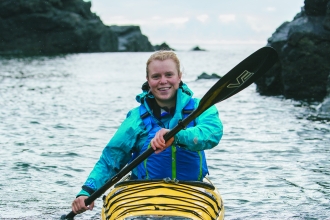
{"points": [[58, 113]]}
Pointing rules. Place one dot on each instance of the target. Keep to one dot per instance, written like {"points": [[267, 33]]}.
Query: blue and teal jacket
{"points": [[174, 162], [133, 136]]}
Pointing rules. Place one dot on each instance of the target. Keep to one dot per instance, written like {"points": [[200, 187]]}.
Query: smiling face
{"points": [[164, 79]]}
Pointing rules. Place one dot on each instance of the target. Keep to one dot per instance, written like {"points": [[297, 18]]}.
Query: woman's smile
{"points": [[164, 88]]}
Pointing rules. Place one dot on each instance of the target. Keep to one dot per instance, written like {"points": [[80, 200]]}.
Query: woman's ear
{"points": [[180, 74]]}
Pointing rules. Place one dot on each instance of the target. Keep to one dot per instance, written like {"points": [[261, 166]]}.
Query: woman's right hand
{"points": [[78, 205], [158, 142]]}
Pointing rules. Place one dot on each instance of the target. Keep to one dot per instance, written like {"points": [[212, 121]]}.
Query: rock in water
{"points": [[303, 46], [197, 48], [207, 76]]}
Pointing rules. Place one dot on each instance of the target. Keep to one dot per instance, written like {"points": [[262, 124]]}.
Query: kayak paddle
{"points": [[237, 79]]}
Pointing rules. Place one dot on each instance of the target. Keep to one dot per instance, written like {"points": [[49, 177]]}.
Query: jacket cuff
{"points": [[86, 191], [82, 193]]}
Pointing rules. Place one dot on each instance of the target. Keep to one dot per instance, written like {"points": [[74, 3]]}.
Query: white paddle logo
{"points": [[241, 79]]}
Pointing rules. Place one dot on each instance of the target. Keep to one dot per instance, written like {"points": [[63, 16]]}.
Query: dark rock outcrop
{"points": [[131, 39], [52, 26], [303, 46], [163, 46], [207, 76], [197, 48], [39, 27]]}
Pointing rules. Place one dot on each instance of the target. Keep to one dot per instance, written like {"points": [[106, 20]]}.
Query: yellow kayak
{"points": [[163, 200]]}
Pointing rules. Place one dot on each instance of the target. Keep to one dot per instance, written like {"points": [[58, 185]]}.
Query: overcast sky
{"points": [[184, 24]]}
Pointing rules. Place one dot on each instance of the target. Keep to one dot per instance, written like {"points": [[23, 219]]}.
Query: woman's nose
{"points": [[163, 79]]}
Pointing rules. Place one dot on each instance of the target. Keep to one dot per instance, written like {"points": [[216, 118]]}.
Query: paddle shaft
{"points": [[123, 172], [241, 76]]}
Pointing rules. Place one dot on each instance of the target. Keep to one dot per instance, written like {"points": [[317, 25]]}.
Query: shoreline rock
{"points": [[37, 27], [197, 48], [207, 76], [51, 27], [303, 46]]}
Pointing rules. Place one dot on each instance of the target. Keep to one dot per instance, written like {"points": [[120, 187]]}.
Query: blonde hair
{"points": [[164, 55]]}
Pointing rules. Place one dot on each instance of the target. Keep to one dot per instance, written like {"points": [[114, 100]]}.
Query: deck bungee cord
{"points": [[193, 200], [164, 207], [146, 188], [174, 209]]}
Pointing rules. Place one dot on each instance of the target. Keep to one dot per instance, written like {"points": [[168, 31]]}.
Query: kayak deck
{"points": [[163, 199]]}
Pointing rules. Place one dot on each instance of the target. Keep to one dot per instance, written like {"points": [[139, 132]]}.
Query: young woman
{"points": [[165, 101]]}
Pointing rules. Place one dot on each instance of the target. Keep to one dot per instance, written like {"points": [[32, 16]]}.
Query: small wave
{"points": [[59, 154], [25, 75]]}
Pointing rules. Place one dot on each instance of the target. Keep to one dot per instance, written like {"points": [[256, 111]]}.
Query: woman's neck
{"points": [[166, 105]]}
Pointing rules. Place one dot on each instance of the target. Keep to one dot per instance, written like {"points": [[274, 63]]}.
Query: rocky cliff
{"points": [[52, 27], [303, 46], [38, 27]]}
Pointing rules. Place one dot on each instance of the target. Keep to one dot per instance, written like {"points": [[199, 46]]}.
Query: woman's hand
{"points": [[158, 142], [78, 205]]}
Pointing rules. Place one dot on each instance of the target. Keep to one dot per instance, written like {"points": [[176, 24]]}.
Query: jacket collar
{"points": [[183, 96]]}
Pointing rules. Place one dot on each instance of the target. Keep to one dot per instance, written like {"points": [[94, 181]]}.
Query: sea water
{"points": [[57, 114]]}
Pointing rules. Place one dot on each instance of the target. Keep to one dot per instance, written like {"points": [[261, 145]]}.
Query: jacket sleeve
{"points": [[115, 155], [206, 134]]}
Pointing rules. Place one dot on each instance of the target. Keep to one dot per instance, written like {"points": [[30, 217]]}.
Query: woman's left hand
{"points": [[158, 142]]}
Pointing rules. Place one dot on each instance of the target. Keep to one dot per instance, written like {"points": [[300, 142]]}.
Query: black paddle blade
{"points": [[240, 77]]}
